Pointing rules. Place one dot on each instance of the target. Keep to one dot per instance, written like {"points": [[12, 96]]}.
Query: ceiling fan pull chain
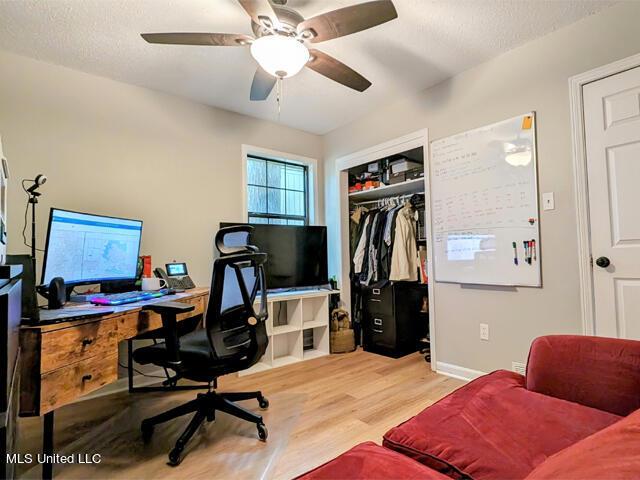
{"points": [[279, 96]]}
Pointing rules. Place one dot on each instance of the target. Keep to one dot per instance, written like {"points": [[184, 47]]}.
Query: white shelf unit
{"points": [[290, 314]]}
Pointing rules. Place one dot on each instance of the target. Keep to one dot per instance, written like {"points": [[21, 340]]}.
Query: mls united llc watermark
{"points": [[79, 458]]}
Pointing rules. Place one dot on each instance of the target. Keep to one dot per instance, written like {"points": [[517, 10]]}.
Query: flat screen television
{"points": [[297, 255]]}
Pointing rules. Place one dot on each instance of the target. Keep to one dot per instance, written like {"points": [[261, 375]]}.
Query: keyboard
{"points": [[128, 297]]}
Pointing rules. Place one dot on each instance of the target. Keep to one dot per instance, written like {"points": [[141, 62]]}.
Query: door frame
{"points": [[415, 139], [585, 260]]}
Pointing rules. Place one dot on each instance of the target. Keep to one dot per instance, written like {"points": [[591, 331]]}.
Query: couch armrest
{"points": [[598, 372]]}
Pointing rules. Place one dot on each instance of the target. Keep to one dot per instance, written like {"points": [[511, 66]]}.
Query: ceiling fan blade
{"points": [[212, 39], [337, 71], [260, 11], [262, 85], [348, 20]]}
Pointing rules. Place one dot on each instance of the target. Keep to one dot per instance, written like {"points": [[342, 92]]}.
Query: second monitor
{"points": [[296, 255]]}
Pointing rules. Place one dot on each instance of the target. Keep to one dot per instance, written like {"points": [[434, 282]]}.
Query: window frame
{"points": [[280, 216], [312, 199]]}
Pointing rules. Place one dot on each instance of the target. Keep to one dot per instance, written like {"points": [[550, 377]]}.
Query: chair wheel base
{"points": [[263, 433], [263, 403], [175, 457], [147, 432]]}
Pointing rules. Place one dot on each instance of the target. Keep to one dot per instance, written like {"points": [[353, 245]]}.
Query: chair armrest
{"points": [[598, 372], [168, 312]]}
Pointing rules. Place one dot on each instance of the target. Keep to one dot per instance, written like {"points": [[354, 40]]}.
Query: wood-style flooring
{"points": [[318, 409]]}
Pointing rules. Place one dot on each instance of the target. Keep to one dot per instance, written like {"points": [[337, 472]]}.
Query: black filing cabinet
{"points": [[392, 322]]}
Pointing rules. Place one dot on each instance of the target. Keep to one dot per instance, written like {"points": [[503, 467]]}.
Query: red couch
{"points": [[571, 417]]}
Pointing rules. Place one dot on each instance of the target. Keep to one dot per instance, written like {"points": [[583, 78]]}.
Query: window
{"points": [[277, 192]]}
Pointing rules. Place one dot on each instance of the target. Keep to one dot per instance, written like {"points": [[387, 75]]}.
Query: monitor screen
{"points": [[296, 255], [84, 248]]}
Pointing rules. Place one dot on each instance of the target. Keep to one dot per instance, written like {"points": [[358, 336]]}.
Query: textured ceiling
{"points": [[429, 42]]}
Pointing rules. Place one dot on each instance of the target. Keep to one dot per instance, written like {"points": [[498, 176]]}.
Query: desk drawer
{"points": [[129, 325], [70, 345], [64, 385]]}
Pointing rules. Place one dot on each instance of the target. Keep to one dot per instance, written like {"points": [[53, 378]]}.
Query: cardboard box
{"points": [[397, 178], [400, 166]]}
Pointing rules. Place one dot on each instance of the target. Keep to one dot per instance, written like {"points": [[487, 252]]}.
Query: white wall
{"points": [[531, 77], [116, 149]]}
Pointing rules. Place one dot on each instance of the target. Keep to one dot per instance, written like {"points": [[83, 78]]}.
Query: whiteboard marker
{"points": [[533, 244], [515, 253]]}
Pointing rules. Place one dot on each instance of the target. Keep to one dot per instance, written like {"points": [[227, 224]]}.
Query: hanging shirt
{"points": [[404, 257], [355, 229], [358, 256], [372, 265], [389, 223], [386, 244]]}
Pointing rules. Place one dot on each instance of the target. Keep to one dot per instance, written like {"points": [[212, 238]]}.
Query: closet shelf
{"points": [[415, 185]]}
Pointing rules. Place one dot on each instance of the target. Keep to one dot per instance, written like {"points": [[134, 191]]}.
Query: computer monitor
{"points": [[85, 249]]}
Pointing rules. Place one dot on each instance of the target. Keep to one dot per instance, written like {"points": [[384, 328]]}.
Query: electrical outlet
{"points": [[484, 331], [519, 367]]}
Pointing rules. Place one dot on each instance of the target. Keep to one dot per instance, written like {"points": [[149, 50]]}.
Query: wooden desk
{"points": [[64, 361]]}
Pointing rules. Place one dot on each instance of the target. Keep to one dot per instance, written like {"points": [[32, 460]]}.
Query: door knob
{"points": [[603, 262]]}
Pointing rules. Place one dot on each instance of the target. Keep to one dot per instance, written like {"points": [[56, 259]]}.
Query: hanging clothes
{"points": [[355, 228], [358, 256], [374, 247], [384, 244], [404, 257]]}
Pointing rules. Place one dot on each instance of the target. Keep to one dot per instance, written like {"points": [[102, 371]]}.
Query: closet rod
{"points": [[392, 197]]}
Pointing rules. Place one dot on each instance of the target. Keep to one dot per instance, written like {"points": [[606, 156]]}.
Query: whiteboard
{"points": [[484, 197]]}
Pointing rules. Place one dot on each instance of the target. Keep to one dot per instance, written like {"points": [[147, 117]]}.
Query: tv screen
{"points": [[296, 255]]}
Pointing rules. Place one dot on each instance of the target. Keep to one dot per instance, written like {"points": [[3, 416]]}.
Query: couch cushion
{"points": [[598, 372], [370, 461], [494, 428], [612, 454]]}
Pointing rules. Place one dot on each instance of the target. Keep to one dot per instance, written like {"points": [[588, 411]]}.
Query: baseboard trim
{"points": [[458, 372]]}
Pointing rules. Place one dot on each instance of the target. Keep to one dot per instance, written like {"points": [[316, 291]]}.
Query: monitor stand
{"points": [[118, 286]]}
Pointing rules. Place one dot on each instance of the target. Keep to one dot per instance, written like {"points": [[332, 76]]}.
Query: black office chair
{"points": [[233, 339]]}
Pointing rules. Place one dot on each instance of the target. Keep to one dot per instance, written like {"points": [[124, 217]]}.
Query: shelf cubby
{"points": [[315, 312], [286, 316], [320, 343], [287, 348]]}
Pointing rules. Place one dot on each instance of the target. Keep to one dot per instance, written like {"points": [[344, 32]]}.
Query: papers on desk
{"points": [[72, 313]]}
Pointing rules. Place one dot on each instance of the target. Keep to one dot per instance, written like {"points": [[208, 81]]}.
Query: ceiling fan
{"points": [[281, 39]]}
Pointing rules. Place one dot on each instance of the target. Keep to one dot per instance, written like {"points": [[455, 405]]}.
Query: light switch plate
{"points": [[548, 201]]}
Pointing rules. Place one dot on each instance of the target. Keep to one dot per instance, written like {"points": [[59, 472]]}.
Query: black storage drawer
{"points": [[392, 323], [383, 330], [379, 301]]}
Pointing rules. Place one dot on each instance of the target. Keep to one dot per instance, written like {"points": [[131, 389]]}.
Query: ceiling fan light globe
{"points": [[280, 55]]}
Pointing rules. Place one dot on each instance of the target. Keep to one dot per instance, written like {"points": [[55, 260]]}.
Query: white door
{"points": [[612, 131]]}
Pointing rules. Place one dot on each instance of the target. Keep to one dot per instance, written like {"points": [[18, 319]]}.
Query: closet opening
{"points": [[386, 249]]}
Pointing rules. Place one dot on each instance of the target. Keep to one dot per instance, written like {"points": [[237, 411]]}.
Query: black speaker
{"points": [[30, 312], [57, 293]]}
